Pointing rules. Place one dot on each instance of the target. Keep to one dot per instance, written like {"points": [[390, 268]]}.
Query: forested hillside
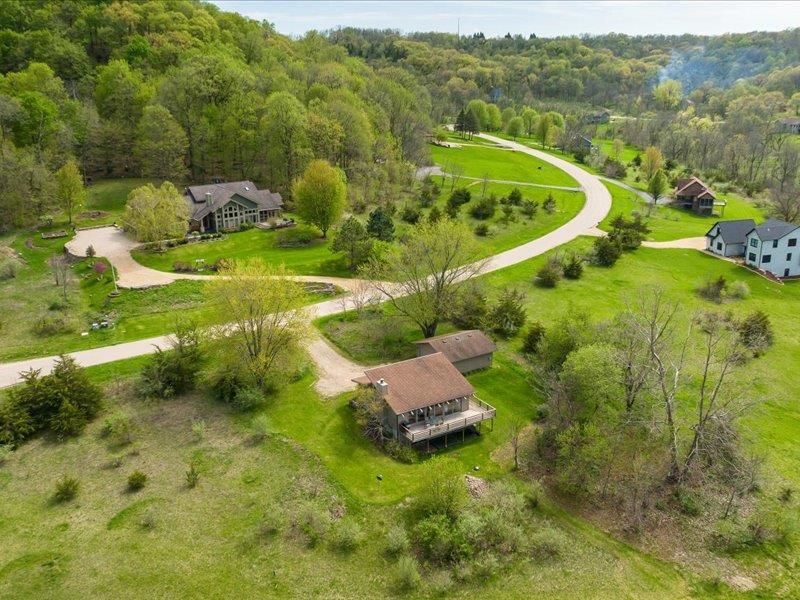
{"points": [[182, 91]]}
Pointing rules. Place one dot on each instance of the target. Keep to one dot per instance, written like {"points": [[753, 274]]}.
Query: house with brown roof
{"points": [[696, 196], [226, 206], [467, 350], [426, 398]]}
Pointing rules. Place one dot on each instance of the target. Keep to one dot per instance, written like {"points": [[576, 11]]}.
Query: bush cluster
{"points": [[169, 373], [508, 315], [63, 402]]}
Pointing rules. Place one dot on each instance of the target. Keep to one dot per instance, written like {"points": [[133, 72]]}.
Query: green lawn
{"points": [[501, 164], [316, 259], [671, 223], [107, 196]]}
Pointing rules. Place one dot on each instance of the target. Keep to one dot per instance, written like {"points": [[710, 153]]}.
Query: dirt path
{"points": [[692, 243], [334, 371]]}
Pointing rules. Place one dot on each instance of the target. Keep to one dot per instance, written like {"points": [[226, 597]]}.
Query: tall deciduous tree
{"points": [[657, 186], [160, 145], [70, 192], [651, 162], [285, 137], [515, 127], [320, 195], [156, 213], [430, 267], [668, 94], [264, 306]]}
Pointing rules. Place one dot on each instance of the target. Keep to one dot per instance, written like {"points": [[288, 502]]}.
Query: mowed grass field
{"points": [[671, 223], [496, 163]]}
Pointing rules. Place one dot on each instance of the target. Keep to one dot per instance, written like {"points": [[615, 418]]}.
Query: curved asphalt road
{"points": [[597, 206]]}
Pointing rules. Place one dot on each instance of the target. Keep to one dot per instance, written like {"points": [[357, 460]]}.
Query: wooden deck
{"points": [[478, 411]]}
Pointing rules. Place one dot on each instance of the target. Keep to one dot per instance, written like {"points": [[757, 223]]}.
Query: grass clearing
{"points": [[107, 196], [501, 164]]}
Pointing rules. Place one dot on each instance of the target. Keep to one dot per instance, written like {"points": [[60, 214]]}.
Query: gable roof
{"points": [[691, 187], [773, 229], [420, 382], [205, 199], [461, 345], [733, 232]]}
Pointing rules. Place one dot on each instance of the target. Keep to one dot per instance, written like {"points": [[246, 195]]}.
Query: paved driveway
{"points": [[335, 371]]}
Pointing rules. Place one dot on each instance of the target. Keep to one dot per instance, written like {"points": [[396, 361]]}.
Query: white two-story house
{"points": [[773, 247]]}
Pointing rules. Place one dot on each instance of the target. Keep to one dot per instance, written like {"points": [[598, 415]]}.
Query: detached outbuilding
{"points": [[467, 350]]}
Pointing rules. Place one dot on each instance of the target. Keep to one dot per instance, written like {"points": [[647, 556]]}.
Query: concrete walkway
{"points": [[112, 241]]}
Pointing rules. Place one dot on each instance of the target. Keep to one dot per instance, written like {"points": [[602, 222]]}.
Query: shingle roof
{"points": [[774, 229], [734, 232], [461, 345], [691, 187], [205, 199], [420, 382]]}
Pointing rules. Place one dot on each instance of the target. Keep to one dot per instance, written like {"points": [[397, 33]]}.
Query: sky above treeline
{"points": [[545, 19]]}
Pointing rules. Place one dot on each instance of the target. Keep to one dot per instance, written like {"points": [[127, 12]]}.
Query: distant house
{"points": [[696, 196], [467, 350], [791, 125], [772, 247], [425, 398], [220, 206], [728, 238], [598, 118]]}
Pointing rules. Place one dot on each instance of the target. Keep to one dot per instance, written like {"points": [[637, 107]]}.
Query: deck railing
{"points": [[486, 412]]}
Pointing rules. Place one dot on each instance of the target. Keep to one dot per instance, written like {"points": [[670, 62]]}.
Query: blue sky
{"points": [[545, 18]]}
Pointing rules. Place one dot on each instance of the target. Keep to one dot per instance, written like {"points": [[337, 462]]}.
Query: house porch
{"points": [[476, 411]]}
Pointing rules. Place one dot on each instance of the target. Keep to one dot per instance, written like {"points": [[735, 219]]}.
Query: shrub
{"points": [[148, 521], [53, 325], [713, 289], [530, 344], [199, 430], [260, 427], [515, 197], [481, 230], [484, 566], [549, 204], [470, 308], [688, 502], [169, 373], [246, 226], [434, 215], [573, 266], [181, 266], [459, 197], [57, 304], [484, 209], [248, 398], [730, 535], [508, 314], [606, 251], [346, 535], [66, 489], [16, 423], [314, 525], [548, 542], [755, 332], [410, 214], [397, 541], [192, 476], [118, 428], [295, 237], [535, 493], [529, 208], [408, 577], [221, 264], [443, 491], [614, 168], [8, 270], [739, 290], [628, 233], [400, 452], [136, 481], [550, 273]]}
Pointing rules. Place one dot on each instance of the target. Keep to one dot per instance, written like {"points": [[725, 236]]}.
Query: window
{"points": [[774, 243], [789, 256], [792, 242], [754, 242], [766, 258], [751, 257], [719, 245]]}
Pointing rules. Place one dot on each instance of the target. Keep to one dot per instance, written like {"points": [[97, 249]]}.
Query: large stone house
{"points": [[226, 206], [728, 238], [772, 247], [426, 398], [696, 196], [467, 350]]}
